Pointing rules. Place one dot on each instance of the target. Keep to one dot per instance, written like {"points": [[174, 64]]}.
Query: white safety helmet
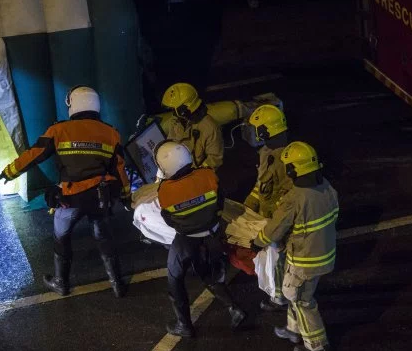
{"points": [[171, 156], [82, 98]]}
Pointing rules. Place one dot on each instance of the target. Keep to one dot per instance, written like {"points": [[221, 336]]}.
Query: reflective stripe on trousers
{"points": [[303, 314], [279, 275]]}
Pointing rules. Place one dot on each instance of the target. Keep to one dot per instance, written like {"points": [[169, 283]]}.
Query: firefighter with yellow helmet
{"points": [[305, 218], [191, 202], [192, 125], [272, 182]]}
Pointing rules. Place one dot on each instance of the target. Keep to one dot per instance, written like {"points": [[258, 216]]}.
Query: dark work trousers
{"points": [[205, 255], [65, 220]]}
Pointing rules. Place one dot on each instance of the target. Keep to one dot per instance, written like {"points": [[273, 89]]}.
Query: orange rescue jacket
{"points": [[192, 203], [88, 151]]}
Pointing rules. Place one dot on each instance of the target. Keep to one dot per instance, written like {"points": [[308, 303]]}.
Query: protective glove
{"points": [[127, 202], [280, 246], [252, 203], [255, 248], [4, 176]]}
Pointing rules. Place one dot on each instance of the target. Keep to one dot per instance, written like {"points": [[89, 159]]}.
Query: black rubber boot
{"points": [[284, 333], [111, 265], [271, 306], [180, 329], [59, 283], [237, 316], [222, 293], [183, 326]]}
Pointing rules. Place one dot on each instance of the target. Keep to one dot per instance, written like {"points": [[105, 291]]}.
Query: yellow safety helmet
{"points": [[300, 158], [182, 98], [268, 121]]}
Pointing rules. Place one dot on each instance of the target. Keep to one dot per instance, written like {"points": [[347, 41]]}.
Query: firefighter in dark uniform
{"points": [[92, 175], [305, 218], [272, 183], [191, 203]]}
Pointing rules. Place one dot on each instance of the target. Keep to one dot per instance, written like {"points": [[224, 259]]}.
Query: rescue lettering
{"points": [[397, 10], [85, 145], [190, 203]]}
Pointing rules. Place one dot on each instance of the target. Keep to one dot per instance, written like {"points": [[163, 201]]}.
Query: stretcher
{"points": [[239, 223]]}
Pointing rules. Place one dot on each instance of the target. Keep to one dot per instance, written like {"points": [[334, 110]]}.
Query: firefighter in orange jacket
{"points": [[92, 175], [191, 203]]}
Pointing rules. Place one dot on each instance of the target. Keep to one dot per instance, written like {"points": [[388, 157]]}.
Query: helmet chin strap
{"points": [[290, 171], [277, 141], [309, 180], [183, 112], [262, 132]]}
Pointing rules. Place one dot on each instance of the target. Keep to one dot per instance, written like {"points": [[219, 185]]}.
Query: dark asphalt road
{"points": [[365, 304], [362, 133]]}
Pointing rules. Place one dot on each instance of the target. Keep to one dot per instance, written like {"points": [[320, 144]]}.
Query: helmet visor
{"points": [[67, 99], [182, 112]]}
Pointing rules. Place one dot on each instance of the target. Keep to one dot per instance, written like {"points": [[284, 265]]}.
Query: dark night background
{"points": [[312, 50]]}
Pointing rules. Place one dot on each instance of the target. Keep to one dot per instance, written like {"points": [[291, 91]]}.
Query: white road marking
{"points": [[239, 83], [373, 228], [78, 290], [168, 342], [402, 160], [203, 301]]}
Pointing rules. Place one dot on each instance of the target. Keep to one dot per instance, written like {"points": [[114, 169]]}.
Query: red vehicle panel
{"points": [[388, 30]]}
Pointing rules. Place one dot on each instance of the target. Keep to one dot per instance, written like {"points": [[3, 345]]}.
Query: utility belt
{"points": [[54, 197], [205, 232], [99, 198]]}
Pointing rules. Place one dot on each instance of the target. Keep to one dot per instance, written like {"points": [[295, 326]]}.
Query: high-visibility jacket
{"points": [[272, 182], [87, 149], [192, 203], [204, 139], [306, 217]]}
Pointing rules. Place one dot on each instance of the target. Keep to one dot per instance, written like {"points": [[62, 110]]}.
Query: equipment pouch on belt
{"points": [[103, 195], [53, 196]]}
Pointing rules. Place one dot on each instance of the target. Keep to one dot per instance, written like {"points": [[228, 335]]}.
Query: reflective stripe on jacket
{"points": [[87, 150], [191, 204], [272, 182], [306, 217], [207, 148]]}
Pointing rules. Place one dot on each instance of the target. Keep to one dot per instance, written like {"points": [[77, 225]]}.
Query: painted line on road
{"points": [[79, 290], [377, 227], [204, 300], [169, 342], [239, 83]]}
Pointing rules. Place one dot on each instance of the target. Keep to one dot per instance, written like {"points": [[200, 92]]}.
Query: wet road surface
{"points": [[365, 304], [362, 133]]}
